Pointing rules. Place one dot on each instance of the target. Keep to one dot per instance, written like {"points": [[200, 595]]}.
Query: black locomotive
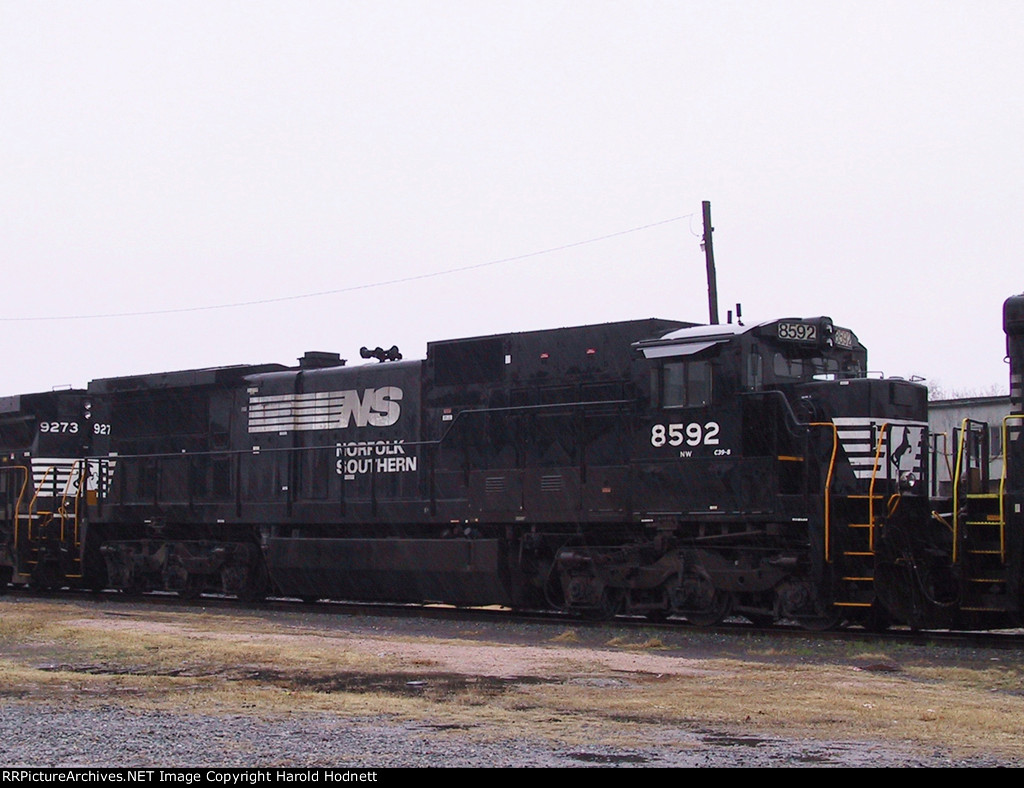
{"points": [[964, 567], [646, 467]]}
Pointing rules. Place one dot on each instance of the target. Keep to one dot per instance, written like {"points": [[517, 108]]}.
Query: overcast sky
{"points": [[189, 184]]}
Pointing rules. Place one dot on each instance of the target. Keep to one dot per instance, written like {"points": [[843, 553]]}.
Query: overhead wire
{"points": [[348, 289]]}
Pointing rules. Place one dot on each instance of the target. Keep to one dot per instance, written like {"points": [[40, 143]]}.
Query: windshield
{"points": [[814, 368]]}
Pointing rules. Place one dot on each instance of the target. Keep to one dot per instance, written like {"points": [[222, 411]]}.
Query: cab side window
{"points": [[755, 372], [686, 384]]}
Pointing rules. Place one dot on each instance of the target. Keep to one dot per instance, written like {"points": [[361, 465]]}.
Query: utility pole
{"points": [[709, 255]]}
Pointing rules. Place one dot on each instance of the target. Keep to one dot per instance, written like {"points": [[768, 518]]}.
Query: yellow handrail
{"points": [[61, 509], [956, 490], [943, 452], [882, 432], [828, 485], [35, 496], [1002, 481], [21, 494]]}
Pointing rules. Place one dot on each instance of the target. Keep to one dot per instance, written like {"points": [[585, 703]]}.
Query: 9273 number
{"points": [[692, 434], [58, 426]]}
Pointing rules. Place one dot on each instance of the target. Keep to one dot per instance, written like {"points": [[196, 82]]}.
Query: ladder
{"points": [[979, 523], [48, 523], [864, 512], [852, 520]]}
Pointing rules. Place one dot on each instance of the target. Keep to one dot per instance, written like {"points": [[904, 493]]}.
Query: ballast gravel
{"points": [[34, 736], [56, 726]]}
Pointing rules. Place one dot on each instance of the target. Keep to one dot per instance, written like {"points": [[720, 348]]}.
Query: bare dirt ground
{"points": [[102, 682]]}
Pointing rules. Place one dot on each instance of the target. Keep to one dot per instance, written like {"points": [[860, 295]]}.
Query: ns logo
{"points": [[325, 410], [376, 407]]}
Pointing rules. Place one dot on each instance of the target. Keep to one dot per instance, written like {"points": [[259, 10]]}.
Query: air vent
{"points": [[552, 483]]}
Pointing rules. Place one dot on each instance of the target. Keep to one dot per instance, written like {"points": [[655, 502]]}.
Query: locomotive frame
{"points": [[648, 467]]}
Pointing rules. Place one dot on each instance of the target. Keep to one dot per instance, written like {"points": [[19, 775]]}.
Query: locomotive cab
{"points": [[770, 457], [46, 483]]}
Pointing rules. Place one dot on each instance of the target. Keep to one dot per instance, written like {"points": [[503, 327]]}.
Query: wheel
{"points": [[717, 609], [699, 601], [798, 600], [611, 603], [256, 585]]}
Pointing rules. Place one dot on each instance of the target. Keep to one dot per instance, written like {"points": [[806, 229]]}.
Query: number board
{"points": [[798, 332], [843, 338]]}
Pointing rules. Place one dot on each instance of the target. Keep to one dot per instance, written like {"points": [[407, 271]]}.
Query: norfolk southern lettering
{"points": [[373, 457], [325, 410]]}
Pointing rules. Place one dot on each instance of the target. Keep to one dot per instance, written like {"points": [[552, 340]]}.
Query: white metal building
{"points": [[945, 420]]}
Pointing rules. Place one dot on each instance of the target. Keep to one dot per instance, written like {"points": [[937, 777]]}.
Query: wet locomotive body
{"points": [[647, 466], [46, 485], [985, 554]]}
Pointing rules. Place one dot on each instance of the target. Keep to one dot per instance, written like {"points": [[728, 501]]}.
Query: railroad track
{"points": [[1009, 639]]}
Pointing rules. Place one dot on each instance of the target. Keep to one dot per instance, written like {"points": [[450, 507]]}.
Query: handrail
{"points": [[35, 496], [956, 489], [883, 433], [21, 495], [945, 454], [61, 508], [961, 455], [828, 485], [1002, 481]]}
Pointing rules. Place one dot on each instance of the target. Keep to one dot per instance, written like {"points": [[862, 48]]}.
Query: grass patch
{"points": [[625, 690], [622, 641]]}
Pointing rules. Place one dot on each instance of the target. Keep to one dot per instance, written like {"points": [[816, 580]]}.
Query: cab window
{"points": [[817, 367], [686, 384], [755, 371]]}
